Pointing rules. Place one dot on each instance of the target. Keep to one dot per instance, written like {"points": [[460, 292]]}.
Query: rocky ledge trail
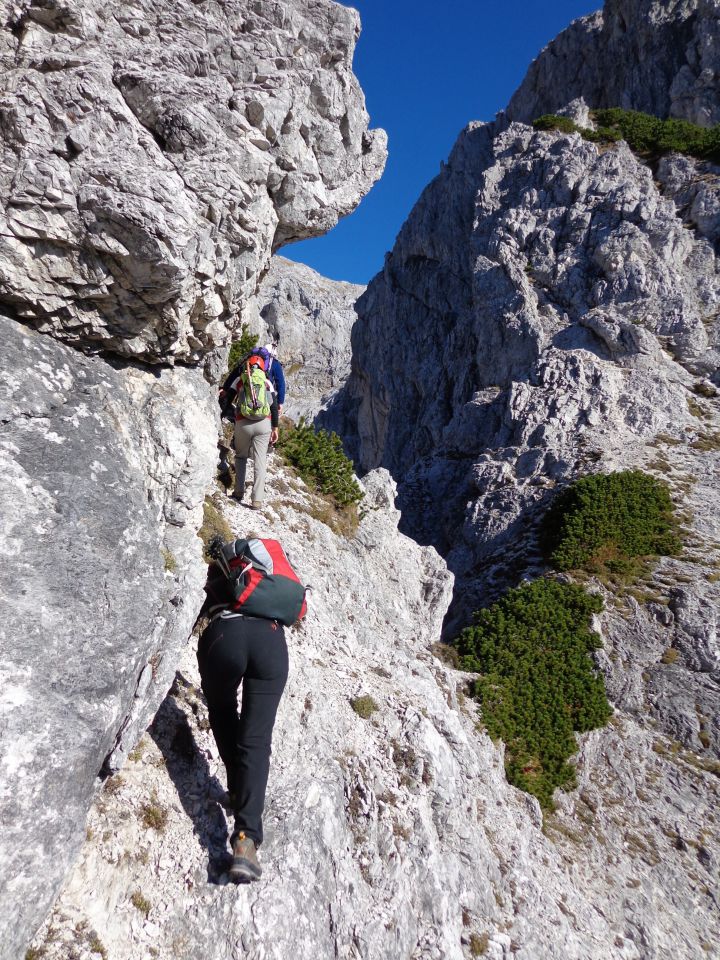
{"points": [[390, 828]]}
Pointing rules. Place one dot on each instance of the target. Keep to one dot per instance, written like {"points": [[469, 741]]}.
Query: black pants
{"points": [[253, 652]]}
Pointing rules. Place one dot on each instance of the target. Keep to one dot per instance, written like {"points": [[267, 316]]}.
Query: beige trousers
{"points": [[252, 438]]}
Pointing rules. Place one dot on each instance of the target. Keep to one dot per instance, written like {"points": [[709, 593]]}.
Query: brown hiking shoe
{"points": [[245, 866]]}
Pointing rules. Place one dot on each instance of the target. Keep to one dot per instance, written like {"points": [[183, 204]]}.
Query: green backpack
{"points": [[253, 397]]}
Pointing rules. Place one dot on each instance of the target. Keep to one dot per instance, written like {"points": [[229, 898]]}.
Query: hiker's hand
{"points": [[274, 435]]}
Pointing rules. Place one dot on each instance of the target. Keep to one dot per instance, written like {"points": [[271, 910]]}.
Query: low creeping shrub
{"points": [[645, 134], [537, 683], [553, 121], [319, 458], [604, 522]]}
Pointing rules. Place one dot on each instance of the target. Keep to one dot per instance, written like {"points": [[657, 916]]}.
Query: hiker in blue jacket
{"points": [[276, 375], [273, 370]]}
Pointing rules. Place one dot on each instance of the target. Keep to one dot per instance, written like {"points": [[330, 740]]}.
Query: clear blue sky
{"points": [[428, 69]]}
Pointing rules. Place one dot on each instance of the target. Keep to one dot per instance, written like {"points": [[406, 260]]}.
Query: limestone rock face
{"points": [[552, 310], [103, 477], [650, 55], [154, 154], [552, 307], [695, 188], [309, 318], [555, 245]]}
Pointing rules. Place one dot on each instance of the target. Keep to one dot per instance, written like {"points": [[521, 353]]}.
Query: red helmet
{"points": [[256, 360]]}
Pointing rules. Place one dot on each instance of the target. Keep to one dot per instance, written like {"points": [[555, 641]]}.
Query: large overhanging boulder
{"points": [[153, 155]]}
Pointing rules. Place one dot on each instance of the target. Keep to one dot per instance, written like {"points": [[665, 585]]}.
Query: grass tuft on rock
{"points": [[645, 134], [537, 682], [213, 523], [154, 815], [609, 524], [364, 706], [479, 944], [140, 902]]}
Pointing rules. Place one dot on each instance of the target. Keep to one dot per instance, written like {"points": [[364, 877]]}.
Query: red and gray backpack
{"points": [[262, 581]]}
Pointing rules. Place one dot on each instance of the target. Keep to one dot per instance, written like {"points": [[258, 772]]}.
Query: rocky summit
{"points": [[659, 57], [551, 303]]}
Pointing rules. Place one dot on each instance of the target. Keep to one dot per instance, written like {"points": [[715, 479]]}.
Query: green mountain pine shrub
{"points": [[537, 683], [608, 523], [645, 134], [553, 121], [319, 458], [242, 346]]}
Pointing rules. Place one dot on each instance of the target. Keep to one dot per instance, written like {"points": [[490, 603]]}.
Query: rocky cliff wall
{"points": [[547, 297], [552, 306], [573, 290], [103, 475], [152, 156], [309, 318], [659, 57]]}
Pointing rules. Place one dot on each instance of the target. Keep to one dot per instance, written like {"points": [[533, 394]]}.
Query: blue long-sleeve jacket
{"points": [[277, 378]]}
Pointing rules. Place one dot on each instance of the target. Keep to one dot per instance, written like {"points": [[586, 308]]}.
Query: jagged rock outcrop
{"points": [[152, 156], [394, 835], [533, 271], [552, 305], [693, 186], [659, 57], [309, 317]]}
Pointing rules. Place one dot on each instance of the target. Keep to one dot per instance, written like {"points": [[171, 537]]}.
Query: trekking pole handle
{"points": [[215, 549]]}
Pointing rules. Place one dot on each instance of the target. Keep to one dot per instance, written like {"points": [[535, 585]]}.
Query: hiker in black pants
{"points": [[234, 650]]}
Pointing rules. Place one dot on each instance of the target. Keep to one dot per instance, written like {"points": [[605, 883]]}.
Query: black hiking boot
{"points": [[245, 867]]}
